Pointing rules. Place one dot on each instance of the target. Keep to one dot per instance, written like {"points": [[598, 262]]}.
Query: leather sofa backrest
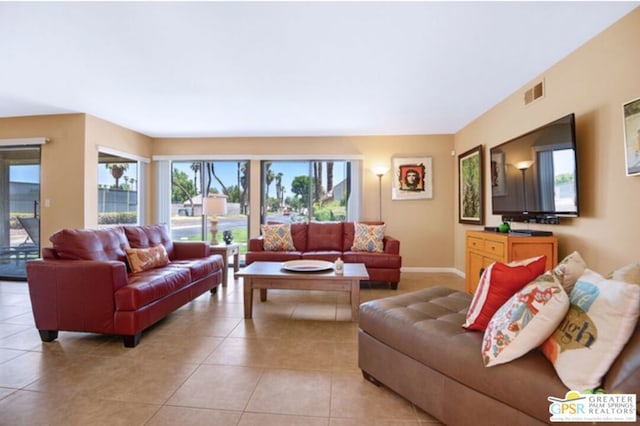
{"points": [[349, 232], [145, 236], [90, 244], [299, 236], [324, 236]]}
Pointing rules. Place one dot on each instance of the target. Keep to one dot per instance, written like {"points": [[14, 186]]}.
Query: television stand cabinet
{"points": [[483, 248]]}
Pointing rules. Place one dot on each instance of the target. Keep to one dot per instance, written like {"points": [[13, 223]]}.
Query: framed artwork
{"points": [[412, 178], [498, 175], [470, 181], [631, 111]]}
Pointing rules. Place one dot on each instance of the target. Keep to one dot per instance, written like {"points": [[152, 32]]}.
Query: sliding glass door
{"points": [[19, 209]]}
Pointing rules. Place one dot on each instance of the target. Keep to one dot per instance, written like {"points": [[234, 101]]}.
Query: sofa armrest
{"points": [[74, 294], [256, 244], [190, 249], [391, 245]]}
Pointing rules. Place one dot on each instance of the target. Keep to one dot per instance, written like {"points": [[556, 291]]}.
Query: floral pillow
{"points": [[601, 318], [143, 259], [498, 283], [277, 237], [525, 321], [368, 238]]}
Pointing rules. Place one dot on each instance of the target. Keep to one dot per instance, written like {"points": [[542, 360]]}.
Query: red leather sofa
{"points": [[328, 241], [83, 282]]}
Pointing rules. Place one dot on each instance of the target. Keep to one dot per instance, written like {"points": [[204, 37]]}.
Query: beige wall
{"points": [[69, 164], [62, 168], [593, 82], [101, 133], [423, 226]]}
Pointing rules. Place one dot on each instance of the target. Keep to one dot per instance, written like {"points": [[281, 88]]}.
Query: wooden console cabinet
{"points": [[484, 248]]}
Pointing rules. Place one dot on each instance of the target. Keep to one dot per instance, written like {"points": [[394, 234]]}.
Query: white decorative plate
{"points": [[307, 265]]}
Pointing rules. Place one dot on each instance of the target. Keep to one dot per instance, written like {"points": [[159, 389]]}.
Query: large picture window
{"points": [[302, 191], [118, 195], [192, 181]]}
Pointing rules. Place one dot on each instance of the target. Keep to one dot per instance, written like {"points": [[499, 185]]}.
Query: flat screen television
{"points": [[534, 177]]}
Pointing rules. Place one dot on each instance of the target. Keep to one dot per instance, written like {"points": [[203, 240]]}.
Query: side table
{"points": [[226, 250]]}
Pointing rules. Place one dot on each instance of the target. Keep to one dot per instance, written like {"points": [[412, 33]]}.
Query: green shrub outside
{"points": [[115, 218]]}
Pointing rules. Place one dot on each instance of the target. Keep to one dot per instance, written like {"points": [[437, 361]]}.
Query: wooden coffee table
{"points": [[266, 275]]}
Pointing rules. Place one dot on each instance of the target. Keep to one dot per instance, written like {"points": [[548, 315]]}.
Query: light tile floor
{"points": [[295, 363]]}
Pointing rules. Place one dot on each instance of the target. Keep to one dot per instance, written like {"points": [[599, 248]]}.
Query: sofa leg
{"points": [[214, 290], [394, 286], [131, 341], [48, 335], [370, 378]]}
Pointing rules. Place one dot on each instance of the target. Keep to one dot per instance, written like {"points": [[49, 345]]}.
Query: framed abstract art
{"points": [[471, 186]]}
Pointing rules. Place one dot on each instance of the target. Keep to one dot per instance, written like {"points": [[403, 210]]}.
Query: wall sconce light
{"points": [[215, 205], [380, 171]]}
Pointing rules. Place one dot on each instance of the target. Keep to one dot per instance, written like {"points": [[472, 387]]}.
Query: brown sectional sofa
{"points": [[83, 282], [328, 241], [415, 344]]}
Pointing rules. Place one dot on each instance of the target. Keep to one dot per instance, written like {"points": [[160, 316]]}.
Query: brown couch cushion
{"points": [[91, 244], [324, 236], [426, 325], [145, 236]]}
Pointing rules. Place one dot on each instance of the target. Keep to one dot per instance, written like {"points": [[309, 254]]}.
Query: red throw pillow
{"points": [[497, 284]]}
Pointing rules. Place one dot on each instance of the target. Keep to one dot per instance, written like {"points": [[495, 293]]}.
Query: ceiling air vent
{"points": [[536, 92]]}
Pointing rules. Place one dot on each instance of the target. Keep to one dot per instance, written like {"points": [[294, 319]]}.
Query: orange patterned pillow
{"points": [[368, 238], [277, 237], [143, 259]]}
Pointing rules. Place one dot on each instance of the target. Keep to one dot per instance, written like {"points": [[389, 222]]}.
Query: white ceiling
{"points": [[283, 68]]}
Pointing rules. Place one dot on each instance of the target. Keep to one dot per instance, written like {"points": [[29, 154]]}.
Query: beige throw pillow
{"points": [[602, 315], [569, 270], [143, 259]]}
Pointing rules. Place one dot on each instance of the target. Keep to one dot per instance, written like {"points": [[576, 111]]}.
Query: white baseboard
{"points": [[421, 269]]}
